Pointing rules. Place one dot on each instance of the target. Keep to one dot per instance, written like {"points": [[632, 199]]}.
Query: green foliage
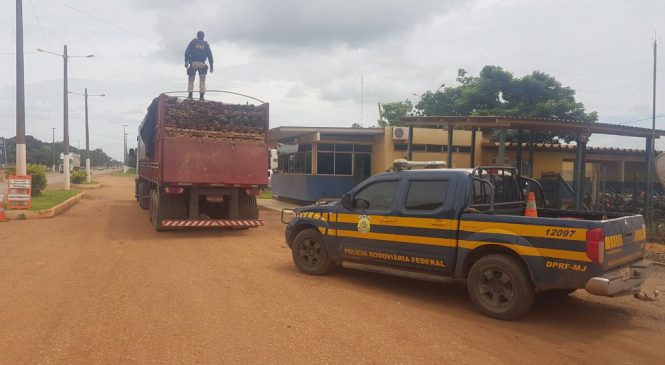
{"points": [[38, 173], [50, 199], [392, 112], [497, 92], [44, 153], [78, 177]]}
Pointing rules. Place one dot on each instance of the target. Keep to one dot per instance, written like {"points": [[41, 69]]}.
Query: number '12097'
{"points": [[553, 232]]}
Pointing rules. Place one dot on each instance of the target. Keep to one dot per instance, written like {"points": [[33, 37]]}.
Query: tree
{"points": [[39, 152], [497, 92], [392, 112]]}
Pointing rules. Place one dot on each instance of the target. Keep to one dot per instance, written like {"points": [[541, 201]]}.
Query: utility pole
{"points": [[65, 112], [52, 146], [651, 153], [65, 121], [21, 168], [124, 149], [87, 141], [87, 133]]}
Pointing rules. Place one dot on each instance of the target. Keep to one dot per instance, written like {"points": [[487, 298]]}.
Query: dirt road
{"points": [[98, 285]]}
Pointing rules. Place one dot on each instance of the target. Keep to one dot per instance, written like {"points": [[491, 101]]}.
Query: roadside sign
{"points": [[19, 189]]}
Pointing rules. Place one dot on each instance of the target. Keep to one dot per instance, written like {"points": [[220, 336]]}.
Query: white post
{"points": [[21, 158], [65, 171], [87, 169]]}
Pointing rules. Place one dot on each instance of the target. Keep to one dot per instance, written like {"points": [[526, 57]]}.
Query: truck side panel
{"points": [[209, 161]]}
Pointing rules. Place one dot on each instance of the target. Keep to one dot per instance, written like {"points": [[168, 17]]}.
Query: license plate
{"points": [[625, 273]]}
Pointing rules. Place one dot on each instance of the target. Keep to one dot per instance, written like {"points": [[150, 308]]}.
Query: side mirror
{"points": [[346, 201]]}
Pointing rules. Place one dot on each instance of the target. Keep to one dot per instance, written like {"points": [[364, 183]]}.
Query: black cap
{"points": [[200, 34]]}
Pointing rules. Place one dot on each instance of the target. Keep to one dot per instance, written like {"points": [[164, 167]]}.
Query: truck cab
{"points": [[470, 224]]}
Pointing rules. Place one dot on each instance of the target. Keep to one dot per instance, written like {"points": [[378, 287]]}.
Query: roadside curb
{"points": [[86, 186], [47, 213]]}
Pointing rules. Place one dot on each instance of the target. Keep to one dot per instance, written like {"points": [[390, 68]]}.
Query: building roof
{"points": [[567, 147], [533, 124], [284, 133]]}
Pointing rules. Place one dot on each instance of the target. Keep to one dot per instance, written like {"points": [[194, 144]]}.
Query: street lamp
{"points": [[87, 133], [65, 117]]}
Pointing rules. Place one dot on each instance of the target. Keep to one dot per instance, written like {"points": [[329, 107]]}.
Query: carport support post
{"points": [[580, 169], [409, 144], [473, 148], [518, 159], [449, 162], [502, 147], [531, 154]]}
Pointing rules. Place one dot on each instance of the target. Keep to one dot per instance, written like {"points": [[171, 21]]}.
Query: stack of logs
{"points": [[211, 119]]}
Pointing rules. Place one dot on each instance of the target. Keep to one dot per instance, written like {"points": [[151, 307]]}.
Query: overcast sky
{"points": [[306, 57]]}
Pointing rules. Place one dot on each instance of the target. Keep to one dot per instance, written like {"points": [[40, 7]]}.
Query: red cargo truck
{"points": [[202, 163]]}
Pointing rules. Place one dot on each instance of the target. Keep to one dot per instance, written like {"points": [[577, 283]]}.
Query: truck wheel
{"points": [[247, 207], [143, 195], [155, 210], [310, 255], [500, 287], [151, 205]]}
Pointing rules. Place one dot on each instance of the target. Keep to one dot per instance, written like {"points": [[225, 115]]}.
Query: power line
{"points": [[641, 120], [39, 25]]}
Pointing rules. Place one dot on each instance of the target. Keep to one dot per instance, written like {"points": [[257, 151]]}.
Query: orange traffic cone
{"points": [[531, 210], [3, 217]]}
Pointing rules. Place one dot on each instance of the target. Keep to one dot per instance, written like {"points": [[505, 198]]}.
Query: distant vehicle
{"points": [[469, 224], [99, 168], [201, 163]]}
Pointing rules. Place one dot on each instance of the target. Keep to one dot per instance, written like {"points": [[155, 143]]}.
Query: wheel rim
{"points": [[496, 289], [311, 253]]}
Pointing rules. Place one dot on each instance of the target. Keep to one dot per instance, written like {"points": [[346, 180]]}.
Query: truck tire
{"points": [[155, 210], [500, 287], [143, 195], [247, 207], [310, 255]]}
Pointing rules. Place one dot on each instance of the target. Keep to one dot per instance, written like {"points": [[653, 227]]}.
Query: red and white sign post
{"points": [[19, 192]]}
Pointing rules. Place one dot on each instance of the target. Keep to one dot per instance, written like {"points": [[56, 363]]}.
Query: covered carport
{"points": [[525, 128]]}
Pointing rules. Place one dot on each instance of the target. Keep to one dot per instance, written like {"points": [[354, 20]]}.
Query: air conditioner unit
{"points": [[400, 133]]}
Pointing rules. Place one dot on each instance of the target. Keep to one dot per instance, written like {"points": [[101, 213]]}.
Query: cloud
{"points": [[293, 23]]}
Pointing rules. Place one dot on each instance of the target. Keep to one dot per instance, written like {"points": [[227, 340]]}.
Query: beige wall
{"points": [[562, 162], [385, 154]]}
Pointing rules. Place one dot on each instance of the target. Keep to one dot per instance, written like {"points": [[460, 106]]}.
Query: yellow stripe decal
{"points": [[383, 220], [446, 242], [530, 251], [525, 230]]}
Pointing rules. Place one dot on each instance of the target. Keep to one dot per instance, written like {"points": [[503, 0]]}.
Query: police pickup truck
{"points": [[470, 224]]}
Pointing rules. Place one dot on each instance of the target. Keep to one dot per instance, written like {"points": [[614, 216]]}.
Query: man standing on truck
{"points": [[196, 54]]}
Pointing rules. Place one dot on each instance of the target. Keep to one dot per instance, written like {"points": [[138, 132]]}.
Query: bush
{"points": [[78, 177], [38, 173]]}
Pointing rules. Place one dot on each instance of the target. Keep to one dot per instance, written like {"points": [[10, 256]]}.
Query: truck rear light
{"points": [[252, 191], [174, 190], [595, 245]]}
